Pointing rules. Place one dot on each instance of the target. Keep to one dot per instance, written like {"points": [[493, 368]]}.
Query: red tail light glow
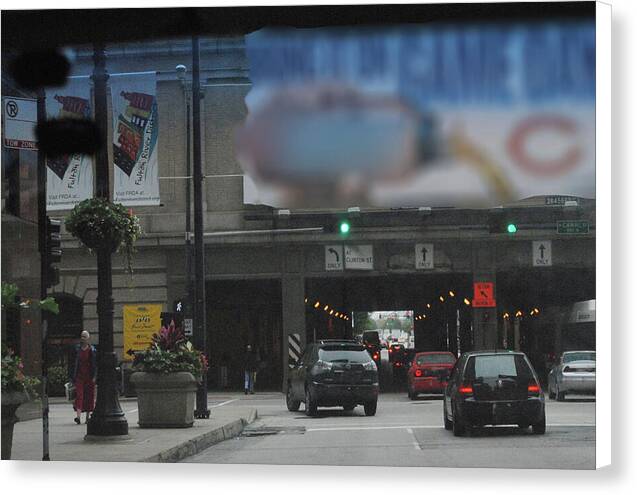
{"points": [[418, 373], [534, 388], [465, 389], [375, 356]]}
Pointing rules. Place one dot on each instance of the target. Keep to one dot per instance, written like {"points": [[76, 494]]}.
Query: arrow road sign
{"points": [[335, 253], [334, 257], [424, 256], [542, 255]]}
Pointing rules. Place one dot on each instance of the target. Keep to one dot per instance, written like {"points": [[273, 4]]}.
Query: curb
{"points": [[203, 441]]}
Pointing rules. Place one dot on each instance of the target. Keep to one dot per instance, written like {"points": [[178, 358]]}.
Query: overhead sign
{"points": [[140, 323], [424, 256], [542, 253], [334, 257], [572, 227], [20, 118], [359, 257], [483, 295]]}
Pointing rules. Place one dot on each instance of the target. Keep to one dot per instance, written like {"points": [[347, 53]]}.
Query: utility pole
{"points": [[199, 329], [108, 418]]}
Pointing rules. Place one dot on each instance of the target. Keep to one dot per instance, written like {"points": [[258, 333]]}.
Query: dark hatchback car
{"points": [[493, 388], [333, 373]]}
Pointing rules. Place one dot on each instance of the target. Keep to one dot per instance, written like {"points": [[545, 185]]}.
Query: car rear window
{"points": [[344, 355], [495, 366], [435, 359], [579, 356]]}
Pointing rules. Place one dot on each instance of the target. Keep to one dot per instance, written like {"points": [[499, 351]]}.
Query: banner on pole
{"points": [[135, 131], [140, 323], [69, 178]]}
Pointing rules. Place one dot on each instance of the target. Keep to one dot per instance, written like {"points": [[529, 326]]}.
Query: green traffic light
{"points": [[344, 227], [511, 228]]}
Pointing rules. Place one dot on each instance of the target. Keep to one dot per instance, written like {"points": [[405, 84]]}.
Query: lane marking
{"points": [[224, 403], [429, 427], [414, 441], [131, 411]]}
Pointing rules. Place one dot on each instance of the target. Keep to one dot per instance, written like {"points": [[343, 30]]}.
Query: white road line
{"points": [[430, 427], [414, 441], [224, 403], [131, 411]]}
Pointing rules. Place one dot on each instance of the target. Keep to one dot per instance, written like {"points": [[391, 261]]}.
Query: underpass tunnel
{"points": [[440, 304], [534, 307], [242, 312]]}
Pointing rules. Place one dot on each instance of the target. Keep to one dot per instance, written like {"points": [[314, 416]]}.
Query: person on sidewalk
{"points": [[83, 376], [250, 369]]}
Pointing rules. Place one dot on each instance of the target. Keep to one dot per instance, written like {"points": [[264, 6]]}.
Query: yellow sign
{"points": [[140, 323]]}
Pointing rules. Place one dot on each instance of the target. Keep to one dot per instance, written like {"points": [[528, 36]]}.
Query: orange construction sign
{"points": [[483, 295]]}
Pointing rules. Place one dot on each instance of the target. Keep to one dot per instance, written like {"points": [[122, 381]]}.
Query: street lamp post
{"points": [[108, 418]]}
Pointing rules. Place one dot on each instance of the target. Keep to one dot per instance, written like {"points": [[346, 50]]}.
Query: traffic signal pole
{"points": [[44, 270], [199, 323]]}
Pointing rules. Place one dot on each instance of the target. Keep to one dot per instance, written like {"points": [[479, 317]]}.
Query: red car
{"points": [[429, 372]]}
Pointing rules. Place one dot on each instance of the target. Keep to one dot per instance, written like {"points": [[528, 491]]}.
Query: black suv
{"points": [[493, 388], [333, 373]]}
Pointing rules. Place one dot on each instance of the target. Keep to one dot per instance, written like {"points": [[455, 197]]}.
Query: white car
{"points": [[574, 373]]}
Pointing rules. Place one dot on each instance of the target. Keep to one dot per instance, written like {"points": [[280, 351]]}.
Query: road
{"points": [[406, 433]]}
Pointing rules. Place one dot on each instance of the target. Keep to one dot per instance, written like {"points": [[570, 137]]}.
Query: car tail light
{"points": [[398, 364], [465, 389], [391, 350], [375, 356], [418, 373], [534, 388]]}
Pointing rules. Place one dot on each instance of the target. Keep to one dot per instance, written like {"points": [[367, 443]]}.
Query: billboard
{"points": [[442, 115]]}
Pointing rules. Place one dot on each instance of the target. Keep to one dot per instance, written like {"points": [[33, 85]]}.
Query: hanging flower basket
{"points": [[99, 224]]}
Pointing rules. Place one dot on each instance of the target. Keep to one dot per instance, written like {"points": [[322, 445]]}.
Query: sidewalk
{"points": [[229, 414]]}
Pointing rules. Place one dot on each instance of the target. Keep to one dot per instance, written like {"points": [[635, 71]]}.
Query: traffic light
{"points": [[344, 227], [501, 225], [53, 252]]}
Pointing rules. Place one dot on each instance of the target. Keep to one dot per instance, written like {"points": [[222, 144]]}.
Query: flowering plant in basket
{"points": [[99, 223]]}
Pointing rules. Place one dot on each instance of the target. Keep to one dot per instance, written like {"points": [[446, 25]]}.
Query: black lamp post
{"points": [[108, 418]]}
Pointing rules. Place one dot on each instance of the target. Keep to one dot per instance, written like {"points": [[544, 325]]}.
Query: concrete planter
{"points": [[165, 400], [10, 403]]}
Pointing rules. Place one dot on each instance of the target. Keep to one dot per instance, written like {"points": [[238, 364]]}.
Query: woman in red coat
{"points": [[83, 377]]}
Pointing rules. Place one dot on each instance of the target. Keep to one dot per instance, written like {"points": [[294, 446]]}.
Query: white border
{"points": [[603, 220]]}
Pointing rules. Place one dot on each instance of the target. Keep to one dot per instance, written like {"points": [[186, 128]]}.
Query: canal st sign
{"points": [[572, 227]]}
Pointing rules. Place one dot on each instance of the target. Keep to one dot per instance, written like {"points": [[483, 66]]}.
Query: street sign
{"points": [[542, 255], [424, 256], [483, 295], [572, 227], [359, 257], [188, 327], [20, 117], [334, 257]]}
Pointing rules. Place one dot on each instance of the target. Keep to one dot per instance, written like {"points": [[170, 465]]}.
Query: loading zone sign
{"points": [[542, 253], [334, 257], [424, 256]]}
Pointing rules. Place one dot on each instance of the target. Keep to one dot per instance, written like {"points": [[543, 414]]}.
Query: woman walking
{"points": [[84, 373]]}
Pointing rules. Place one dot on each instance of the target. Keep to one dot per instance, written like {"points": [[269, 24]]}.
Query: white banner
{"points": [[135, 131], [69, 178]]}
